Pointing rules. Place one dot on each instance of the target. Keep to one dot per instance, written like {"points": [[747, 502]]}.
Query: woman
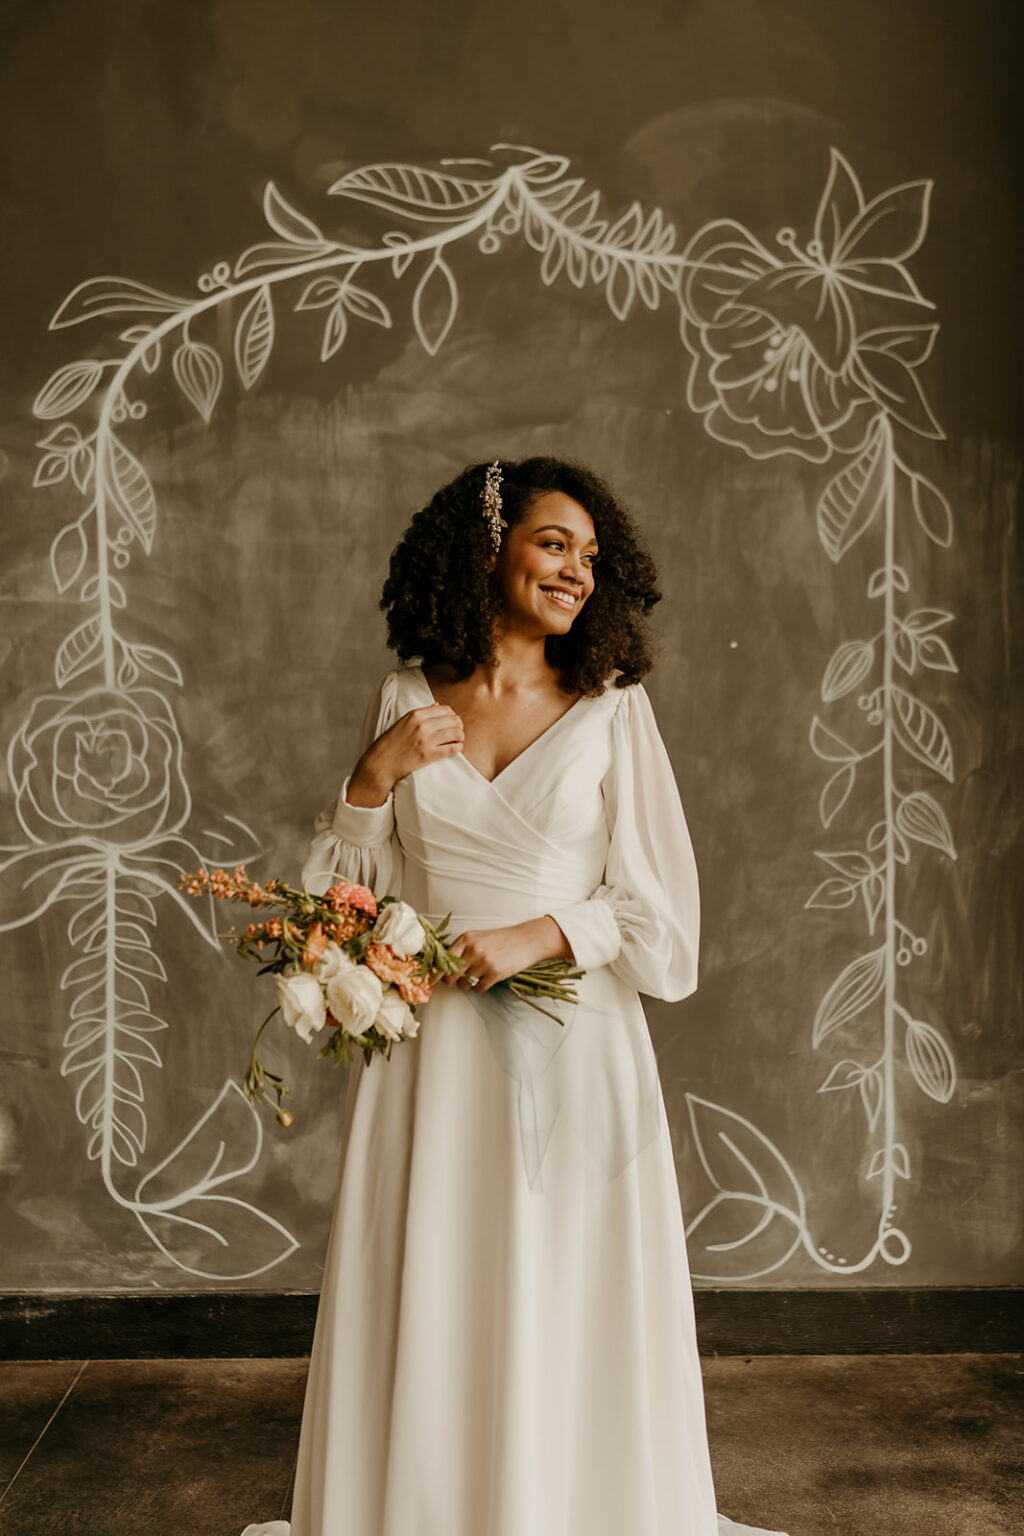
{"points": [[505, 1342]]}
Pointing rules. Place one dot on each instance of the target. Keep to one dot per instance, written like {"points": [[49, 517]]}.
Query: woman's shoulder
{"points": [[388, 693], [632, 711], [623, 692], [396, 675], [403, 687]]}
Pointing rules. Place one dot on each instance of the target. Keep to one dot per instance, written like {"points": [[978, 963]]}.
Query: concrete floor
{"points": [[827, 1445]]}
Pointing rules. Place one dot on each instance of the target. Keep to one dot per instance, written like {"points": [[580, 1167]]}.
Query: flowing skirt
{"points": [[495, 1357]]}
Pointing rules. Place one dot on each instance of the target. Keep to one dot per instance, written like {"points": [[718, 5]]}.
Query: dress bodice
{"points": [[500, 850], [585, 824]]}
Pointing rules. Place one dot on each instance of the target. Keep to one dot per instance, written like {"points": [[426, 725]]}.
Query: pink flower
{"points": [[345, 895], [416, 991], [316, 943], [399, 969]]}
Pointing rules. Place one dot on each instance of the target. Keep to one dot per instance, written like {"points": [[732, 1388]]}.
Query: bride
{"points": [[505, 1341]]}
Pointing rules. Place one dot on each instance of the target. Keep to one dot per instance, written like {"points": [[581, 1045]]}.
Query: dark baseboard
{"points": [[264, 1324]]}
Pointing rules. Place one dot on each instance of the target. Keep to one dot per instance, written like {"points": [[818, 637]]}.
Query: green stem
{"points": [[538, 1006], [257, 1075]]}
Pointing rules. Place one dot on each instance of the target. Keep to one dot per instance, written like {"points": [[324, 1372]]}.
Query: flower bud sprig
{"points": [[257, 1077], [236, 886], [341, 913]]}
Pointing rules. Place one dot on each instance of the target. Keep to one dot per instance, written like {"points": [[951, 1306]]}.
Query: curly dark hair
{"points": [[442, 600]]}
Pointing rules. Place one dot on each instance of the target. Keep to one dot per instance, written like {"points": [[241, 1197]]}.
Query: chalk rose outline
{"points": [[105, 763]]}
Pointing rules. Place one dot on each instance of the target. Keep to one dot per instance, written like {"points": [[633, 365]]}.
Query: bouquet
{"points": [[350, 963]]}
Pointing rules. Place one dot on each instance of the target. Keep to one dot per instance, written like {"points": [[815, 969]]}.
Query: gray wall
{"points": [[140, 139]]}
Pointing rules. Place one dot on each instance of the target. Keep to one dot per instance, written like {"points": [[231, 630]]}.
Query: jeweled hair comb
{"points": [[492, 502]]}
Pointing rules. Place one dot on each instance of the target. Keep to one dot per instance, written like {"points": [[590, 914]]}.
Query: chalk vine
{"points": [[809, 350]]}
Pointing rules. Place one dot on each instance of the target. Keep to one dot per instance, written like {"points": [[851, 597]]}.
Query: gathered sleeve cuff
{"points": [[358, 843], [362, 825], [643, 921], [592, 930]]}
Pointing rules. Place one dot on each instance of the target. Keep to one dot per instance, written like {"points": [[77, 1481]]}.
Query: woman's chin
{"points": [[557, 618]]}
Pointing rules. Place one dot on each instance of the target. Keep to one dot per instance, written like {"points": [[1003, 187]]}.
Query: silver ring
{"points": [[473, 980]]}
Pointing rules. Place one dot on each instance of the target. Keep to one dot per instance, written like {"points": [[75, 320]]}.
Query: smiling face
{"points": [[547, 565]]}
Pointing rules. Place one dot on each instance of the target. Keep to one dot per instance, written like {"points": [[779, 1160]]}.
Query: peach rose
{"points": [[344, 894]]}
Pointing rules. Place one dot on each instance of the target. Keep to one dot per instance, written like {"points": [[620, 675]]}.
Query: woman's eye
{"points": [[558, 542]]}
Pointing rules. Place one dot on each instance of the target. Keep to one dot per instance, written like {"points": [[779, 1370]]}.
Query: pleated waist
{"points": [[477, 903]]}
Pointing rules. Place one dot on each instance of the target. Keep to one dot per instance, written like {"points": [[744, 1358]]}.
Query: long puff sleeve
{"points": [[357, 842], [644, 920]]}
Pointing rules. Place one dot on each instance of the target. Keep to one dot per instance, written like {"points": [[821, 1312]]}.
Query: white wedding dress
{"points": [[505, 1342]]}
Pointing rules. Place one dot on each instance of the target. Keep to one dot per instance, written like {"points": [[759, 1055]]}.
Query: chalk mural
{"points": [[815, 352], [811, 351]]}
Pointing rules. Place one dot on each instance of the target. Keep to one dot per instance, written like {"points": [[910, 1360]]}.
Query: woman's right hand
{"points": [[421, 736]]}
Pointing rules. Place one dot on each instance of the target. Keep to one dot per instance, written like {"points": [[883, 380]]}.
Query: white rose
{"points": [[354, 997], [399, 926], [302, 1003], [333, 961], [394, 1017]]}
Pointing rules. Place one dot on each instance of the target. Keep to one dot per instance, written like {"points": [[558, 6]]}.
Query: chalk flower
{"points": [[798, 353], [106, 762]]}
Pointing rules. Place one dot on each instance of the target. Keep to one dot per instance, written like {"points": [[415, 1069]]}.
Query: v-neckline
{"points": [[545, 733]]}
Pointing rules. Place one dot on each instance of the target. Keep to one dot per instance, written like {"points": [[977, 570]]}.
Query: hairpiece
{"points": [[492, 502]]}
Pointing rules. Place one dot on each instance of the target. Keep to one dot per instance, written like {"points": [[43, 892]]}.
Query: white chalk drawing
{"points": [[812, 352], [816, 354]]}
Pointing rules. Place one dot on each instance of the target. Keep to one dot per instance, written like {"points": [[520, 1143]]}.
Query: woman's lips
{"points": [[564, 600]]}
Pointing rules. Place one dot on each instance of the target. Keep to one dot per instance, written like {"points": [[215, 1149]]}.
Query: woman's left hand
{"points": [[493, 954]]}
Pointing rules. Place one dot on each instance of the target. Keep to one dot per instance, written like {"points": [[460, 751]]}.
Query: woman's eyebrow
{"points": [[558, 526]]}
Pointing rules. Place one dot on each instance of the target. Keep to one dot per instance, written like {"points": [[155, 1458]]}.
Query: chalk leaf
{"points": [[69, 388], [68, 554], [435, 303], [922, 733], [854, 989], [199, 373], [254, 337], [851, 499]]}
